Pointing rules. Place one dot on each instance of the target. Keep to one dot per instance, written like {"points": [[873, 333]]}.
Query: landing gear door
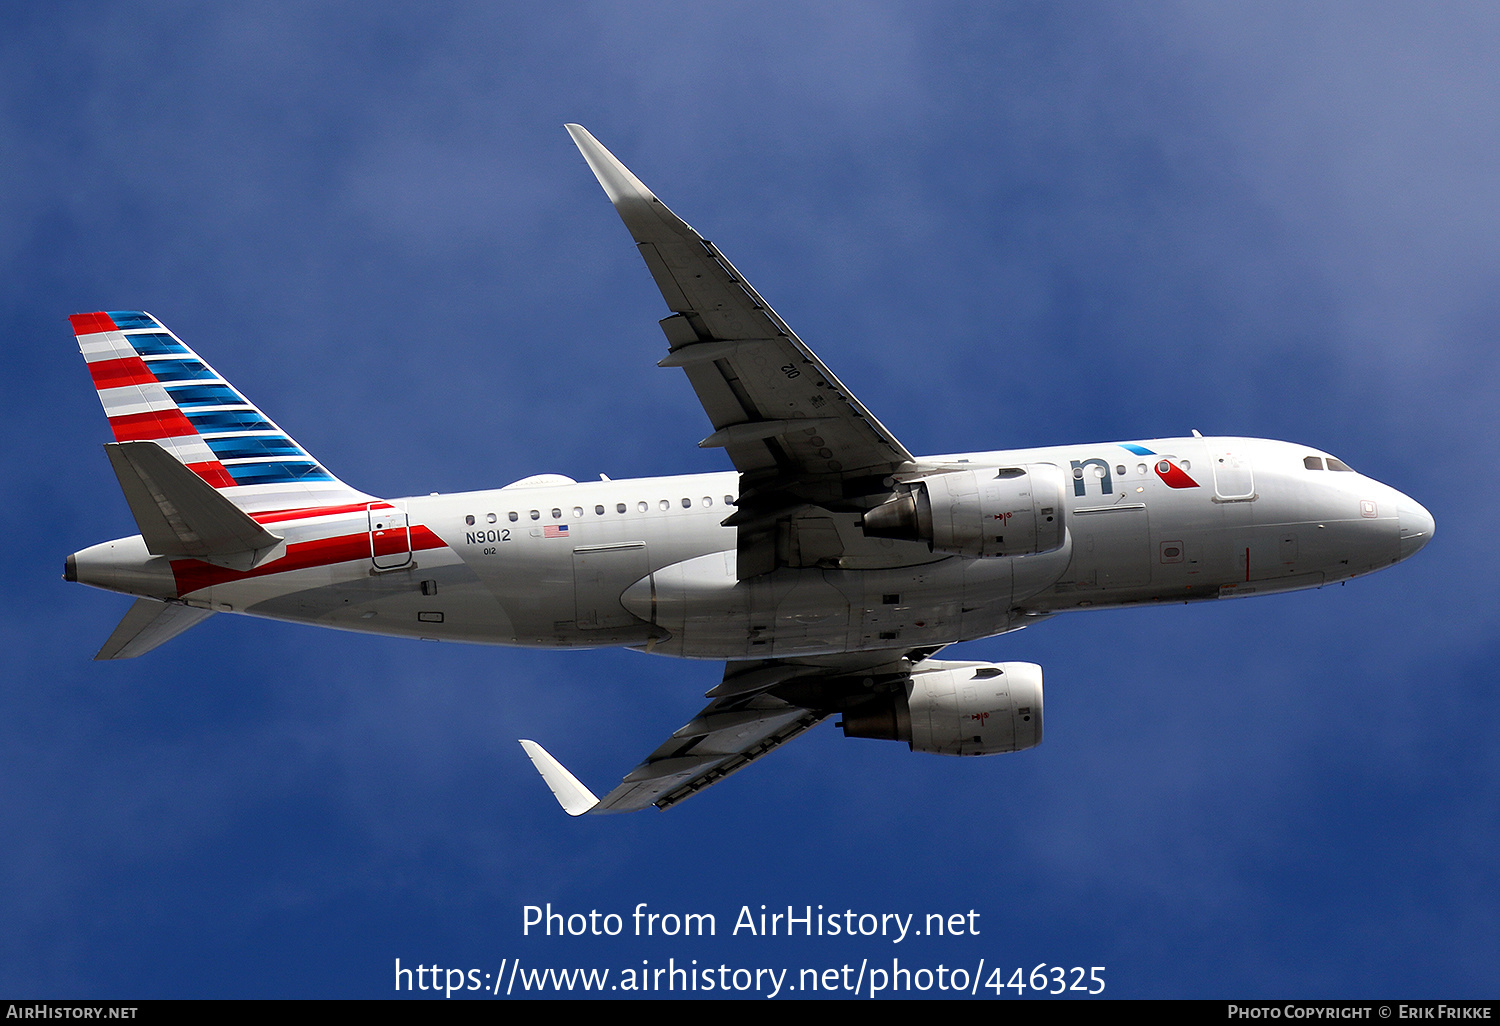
{"points": [[390, 537]]}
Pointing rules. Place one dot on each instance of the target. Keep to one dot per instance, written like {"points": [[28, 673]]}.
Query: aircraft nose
{"points": [[1417, 525]]}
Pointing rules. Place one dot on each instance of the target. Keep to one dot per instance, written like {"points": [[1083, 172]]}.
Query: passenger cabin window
{"points": [[469, 520], [1313, 462], [619, 507], [598, 511], [687, 503], [490, 517], [536, 514], [557, 514], [641, 507], [514, 516]]}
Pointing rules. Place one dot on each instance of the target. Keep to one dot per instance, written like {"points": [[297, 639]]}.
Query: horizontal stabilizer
{"points": [[570, 794], [180, 514], [147, 624]]}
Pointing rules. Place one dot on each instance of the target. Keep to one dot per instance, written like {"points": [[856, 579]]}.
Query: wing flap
{"points": [[666, 778], [758, 707]]}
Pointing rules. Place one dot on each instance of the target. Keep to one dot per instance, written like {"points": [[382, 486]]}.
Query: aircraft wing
{"points": [[795, 433], [757, 707]]}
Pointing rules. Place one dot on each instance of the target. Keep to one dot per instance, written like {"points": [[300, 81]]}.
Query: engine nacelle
{"points": [[1010, 511], [952, 708]]}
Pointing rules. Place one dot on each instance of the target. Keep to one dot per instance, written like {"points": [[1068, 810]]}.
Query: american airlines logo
{"points": [[1170, 473]]}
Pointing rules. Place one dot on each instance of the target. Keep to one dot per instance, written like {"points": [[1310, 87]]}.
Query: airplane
{"points": [[826, 571]]}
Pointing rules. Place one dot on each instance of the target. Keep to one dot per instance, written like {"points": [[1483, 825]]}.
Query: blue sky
{"points": [[1002, 225]]}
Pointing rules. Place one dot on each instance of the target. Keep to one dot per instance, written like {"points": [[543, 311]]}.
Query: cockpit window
{"points": [[1313, 462], [1334, 464]]}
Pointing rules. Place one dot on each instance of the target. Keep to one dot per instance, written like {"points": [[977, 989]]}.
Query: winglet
{"points": [[638, 207], [574, 798]]}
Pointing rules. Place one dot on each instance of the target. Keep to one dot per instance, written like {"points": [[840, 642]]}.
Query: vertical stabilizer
{"points": [[154, 388]]}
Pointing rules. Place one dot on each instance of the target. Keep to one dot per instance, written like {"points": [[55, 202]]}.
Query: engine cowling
{"points": [[1009, 511], [952, 708]]}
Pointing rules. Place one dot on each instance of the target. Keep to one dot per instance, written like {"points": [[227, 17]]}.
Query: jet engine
{"points": [[952, 708], [1010, 511]]}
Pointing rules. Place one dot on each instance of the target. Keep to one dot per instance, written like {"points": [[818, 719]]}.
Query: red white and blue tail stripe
{"points": [[153, 387]]}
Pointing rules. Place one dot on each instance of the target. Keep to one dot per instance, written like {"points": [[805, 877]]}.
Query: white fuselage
{"points": [[647, 563]]}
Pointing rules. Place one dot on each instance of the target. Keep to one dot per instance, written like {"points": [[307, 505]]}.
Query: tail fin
{"points": [[156, 389]]}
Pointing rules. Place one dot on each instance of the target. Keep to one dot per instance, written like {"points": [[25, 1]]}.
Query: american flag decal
{"points": [[555, 531]]}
